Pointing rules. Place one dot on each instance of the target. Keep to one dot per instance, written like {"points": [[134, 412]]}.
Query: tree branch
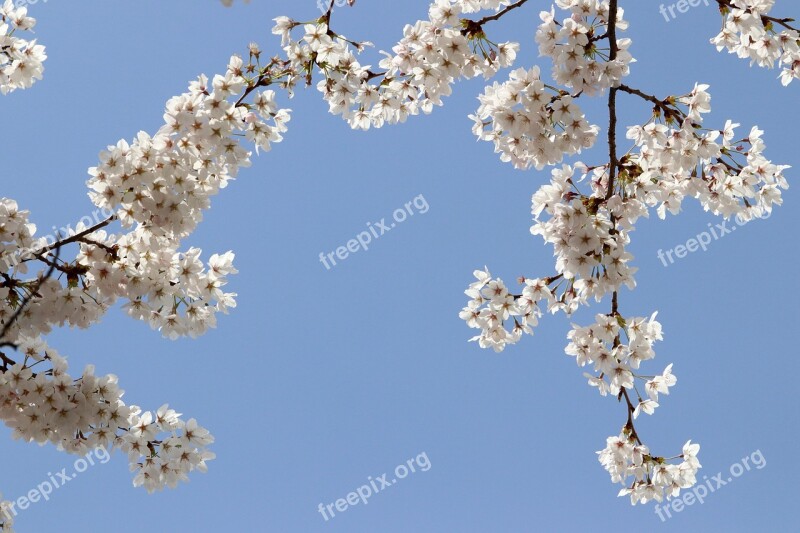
{"points": [[473, 27], [78, 237], [765, 19], [25, 301], [612, 101]]}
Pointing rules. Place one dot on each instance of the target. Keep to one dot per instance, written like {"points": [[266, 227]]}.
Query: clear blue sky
{"points": [[321, 378]]}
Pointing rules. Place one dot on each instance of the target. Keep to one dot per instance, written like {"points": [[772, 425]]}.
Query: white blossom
{"points": [[21, 60], [749, 33], [574, 46]]}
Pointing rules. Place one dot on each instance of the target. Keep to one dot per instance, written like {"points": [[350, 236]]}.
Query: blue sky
{"points": [[323, 378]]}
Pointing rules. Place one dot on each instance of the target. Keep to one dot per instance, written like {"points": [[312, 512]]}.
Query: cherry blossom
{"points": [[751, 33], [574, 45], [651, 478], [530, 123], [156, 187], [42, 403], [588, 212], [417, 74], [21, 60]]}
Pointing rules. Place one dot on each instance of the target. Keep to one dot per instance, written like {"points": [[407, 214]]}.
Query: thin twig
{"points": [[25, 301]]}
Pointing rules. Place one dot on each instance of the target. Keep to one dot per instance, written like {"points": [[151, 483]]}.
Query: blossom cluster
{"points": [[42, 403], [172, 291], [728, 176], [161, 185], [16, 234], [49, 302], [673, 157], [21, 60], [591, 258], [624, 457], [491, 306], [751, 34], [589, 232], [530, 123], [158, 187], [618, 364], [588, 212], [572, 44], [164, 182], [422, 69]]}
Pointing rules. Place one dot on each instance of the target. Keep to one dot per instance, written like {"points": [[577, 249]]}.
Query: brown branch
{"points": [[643, 95], [666, 107], [6, 361], [613, 162], [765, 19], [499, 14], [78, 237], [26, 301], [474, 27], [631, 409]]}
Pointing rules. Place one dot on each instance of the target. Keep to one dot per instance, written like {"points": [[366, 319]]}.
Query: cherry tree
{"points": [[154, 189]]}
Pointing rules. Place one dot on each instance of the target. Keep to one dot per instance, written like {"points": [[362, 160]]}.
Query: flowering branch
{"points": [[726, 6], [78, 237], [749, 32], [33, 292], [475, 27], [158, 186], [673, 157]]}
